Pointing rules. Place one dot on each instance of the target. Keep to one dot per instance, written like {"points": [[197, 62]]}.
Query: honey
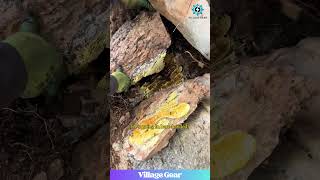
{"points": [[167, 113]]}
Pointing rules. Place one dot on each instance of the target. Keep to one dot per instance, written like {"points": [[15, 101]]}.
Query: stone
{"points": [[78, 29], [261, 97], [71, 121], [194, 28], [56, 170], [166, 108], [41, 176], [139, 46], [119, 15], [188, 148], [91, 157], [288, 162]]}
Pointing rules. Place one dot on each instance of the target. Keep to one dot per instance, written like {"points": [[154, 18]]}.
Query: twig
{"points": [[21, 144], [45, 124], [196, 60], [38, 116]]}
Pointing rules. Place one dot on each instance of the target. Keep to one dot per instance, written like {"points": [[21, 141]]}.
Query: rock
{"points": [[188, 148], [196, 29], [288, 162], [119, 15], [71, 121], [41, 176], [123, 118], [77, 28], [290, 9], [260, 97], [139, 46], [307, 136], [116, 146], [88, 106], [297, 157], [91, 157], [56, 170], [176, 103]]}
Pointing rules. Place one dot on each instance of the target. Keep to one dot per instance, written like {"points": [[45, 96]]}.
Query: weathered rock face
{"points": [[91, 156], [259, 98], [139, 46], [77, 28], [288, 162], [297, 157], [188, 148], [119, 15], [169, 107]]}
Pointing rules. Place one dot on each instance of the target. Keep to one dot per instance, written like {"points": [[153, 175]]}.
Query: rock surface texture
{"points": [[91, 156], [78, 29], [297, 157], [264, 95], [139, 46], [171, 106], [188, 148]]}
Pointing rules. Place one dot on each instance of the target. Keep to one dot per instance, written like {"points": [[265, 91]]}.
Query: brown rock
{"points": [[91, 156], [188, 148], [298, 157], [119, 15], [138, 45], [77, 28], [161, 106], [260, 97]]}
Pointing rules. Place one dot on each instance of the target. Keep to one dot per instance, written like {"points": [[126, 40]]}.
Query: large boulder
{"points": [[261, 96]]}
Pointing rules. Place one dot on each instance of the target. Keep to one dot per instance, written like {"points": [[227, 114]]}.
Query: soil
{"points": [[29, 141]]}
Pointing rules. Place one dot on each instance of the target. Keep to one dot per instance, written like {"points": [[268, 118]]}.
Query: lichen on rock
{"points": [[89, 53], [73, 26], [139, 46]]}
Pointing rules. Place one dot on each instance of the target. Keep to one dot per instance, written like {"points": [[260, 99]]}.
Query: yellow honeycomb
{"points": [[165, 115]]}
